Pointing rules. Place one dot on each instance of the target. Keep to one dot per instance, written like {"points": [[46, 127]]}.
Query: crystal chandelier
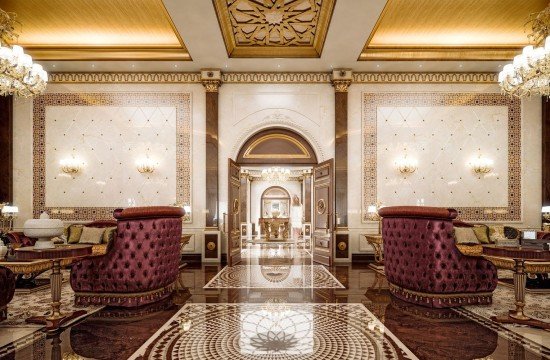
{"points": [[18, 74], [275, 174], [529, 74]]}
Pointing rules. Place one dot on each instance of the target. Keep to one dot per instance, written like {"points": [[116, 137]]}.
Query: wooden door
{"points": [[323, 212], [233, 210]]}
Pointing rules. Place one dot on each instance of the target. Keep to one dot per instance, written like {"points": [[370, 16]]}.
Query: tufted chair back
{"points": [[424, 266], [141, 265]]}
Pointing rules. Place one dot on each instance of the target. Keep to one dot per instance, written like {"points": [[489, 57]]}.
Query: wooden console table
{"points": [[522, 261], [273, 226]]}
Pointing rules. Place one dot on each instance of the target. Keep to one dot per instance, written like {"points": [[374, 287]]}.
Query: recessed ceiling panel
{"points": [[274, 28], [98, 29], [451, 29]]}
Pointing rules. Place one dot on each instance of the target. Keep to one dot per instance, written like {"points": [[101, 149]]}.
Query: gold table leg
{"points": [[517, 316], [56, 319]]}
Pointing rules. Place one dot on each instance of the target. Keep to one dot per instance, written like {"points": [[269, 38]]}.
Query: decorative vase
{"points": [[44, 229]]}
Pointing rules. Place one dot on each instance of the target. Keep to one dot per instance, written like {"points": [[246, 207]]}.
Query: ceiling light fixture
{"points": [[529, 73], [18, 74]]}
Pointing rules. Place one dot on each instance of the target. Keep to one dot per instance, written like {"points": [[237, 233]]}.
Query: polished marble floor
{"points": [[409, 331]]}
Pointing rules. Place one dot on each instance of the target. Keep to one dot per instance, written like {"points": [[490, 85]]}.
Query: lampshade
{"points": [[545, 209], [10, 209]]}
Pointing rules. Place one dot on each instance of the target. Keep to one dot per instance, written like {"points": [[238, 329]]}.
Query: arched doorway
{"points": [[276, 147]]}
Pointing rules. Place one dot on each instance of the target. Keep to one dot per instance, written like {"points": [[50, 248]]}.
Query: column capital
{"points": [[341, 79], [211, 79]]}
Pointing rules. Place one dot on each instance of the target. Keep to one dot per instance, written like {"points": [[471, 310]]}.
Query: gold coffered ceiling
{"points": [[274, 28], [97, 30], [450, 30]]}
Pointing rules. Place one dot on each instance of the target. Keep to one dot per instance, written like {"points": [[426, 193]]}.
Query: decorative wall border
{"points": [[370, 103], [273, 77], [437, 78], [106, 78], [182, 103]]}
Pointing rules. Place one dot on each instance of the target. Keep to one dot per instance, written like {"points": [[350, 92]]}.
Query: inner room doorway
{"points": [[279, 193]]}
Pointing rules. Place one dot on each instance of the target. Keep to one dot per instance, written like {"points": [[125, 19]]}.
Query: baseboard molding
{"points": [[362, 258], [191, 258]]}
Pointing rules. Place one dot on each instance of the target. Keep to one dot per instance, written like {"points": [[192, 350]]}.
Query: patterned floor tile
{"points": [[274, 330], [274, 276]]}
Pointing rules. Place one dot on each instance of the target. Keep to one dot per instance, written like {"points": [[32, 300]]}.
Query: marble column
{"points": [[211, 80], [341, 80]]}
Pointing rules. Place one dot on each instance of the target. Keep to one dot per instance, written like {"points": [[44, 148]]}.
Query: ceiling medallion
{"points": [[274, 28], [18, 74], [529, 73]]}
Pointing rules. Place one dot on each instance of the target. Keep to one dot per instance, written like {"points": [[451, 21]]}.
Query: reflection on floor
{"points": [[266, 319], [274, 276]]}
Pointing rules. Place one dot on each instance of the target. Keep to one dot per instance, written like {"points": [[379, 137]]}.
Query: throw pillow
{"points": [[108, 235], [465, 236], [481, 234], [496, 232], [91, 235], [75, 231]]}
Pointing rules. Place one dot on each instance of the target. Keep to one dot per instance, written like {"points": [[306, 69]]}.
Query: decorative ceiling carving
{"points": [[450, 30], [274, 28], [97, 30]]}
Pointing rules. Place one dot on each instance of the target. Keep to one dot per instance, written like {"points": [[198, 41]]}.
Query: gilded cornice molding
{"points": [[278, 77], [96, 77], [272, 77], [433, 78]]}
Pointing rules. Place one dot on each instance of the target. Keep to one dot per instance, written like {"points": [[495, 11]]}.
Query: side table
{"points": [[525, 261], [61, 252], [377, 243]]}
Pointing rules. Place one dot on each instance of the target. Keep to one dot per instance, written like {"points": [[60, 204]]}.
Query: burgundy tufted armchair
{"points": [[7, 289], [142, 264], [422, 263]]}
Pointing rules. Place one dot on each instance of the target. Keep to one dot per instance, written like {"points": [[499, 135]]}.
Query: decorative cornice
{"points": [[273, 78], [96, 77], [278, 77], [433, 78]]}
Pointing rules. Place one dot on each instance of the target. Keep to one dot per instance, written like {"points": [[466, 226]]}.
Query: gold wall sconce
{"points": [[146, 166], [406, 166], [71, 165], [482, 165]]}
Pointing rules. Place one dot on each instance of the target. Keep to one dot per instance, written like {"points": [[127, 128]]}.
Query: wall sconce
{"points": [[481, 165], [70, 165], [146, 166], [406, 165]]}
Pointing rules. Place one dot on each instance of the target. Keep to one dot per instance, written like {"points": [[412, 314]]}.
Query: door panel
{"points": [[323, 212], [233, 210]]}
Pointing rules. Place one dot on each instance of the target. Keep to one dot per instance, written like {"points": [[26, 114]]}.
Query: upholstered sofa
{"points": [[422, 263], [18, 239], [141, 264], [7, 289]]}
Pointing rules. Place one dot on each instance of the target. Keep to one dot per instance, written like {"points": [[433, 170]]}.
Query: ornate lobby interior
{"points": [[274, 179]]}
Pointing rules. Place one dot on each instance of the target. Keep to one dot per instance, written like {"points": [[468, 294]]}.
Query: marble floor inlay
{"points": [[274, 276], [274, 330]]}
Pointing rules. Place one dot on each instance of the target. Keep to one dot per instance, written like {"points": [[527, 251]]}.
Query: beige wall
{"points": [[306, 108]]}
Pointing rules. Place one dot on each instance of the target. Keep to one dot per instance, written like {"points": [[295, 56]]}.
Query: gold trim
{"points": [[107, 53], [437, 78], [440, 296], [115, 77], [321, 206], [277, 77], [438, 54], [531, 267], [168, 287], [305, 153], [211, 246]]}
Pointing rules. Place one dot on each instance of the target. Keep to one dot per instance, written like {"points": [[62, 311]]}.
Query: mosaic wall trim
{"points": [[59, 77], [274, 77], [370, 103], [182, 103], [482, 78]]}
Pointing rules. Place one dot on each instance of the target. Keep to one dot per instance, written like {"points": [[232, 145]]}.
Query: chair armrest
{"points": [[470, 250]]}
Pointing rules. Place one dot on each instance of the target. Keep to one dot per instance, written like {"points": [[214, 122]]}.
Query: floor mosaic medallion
{"points": [[274, 331], [274, 276]]}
